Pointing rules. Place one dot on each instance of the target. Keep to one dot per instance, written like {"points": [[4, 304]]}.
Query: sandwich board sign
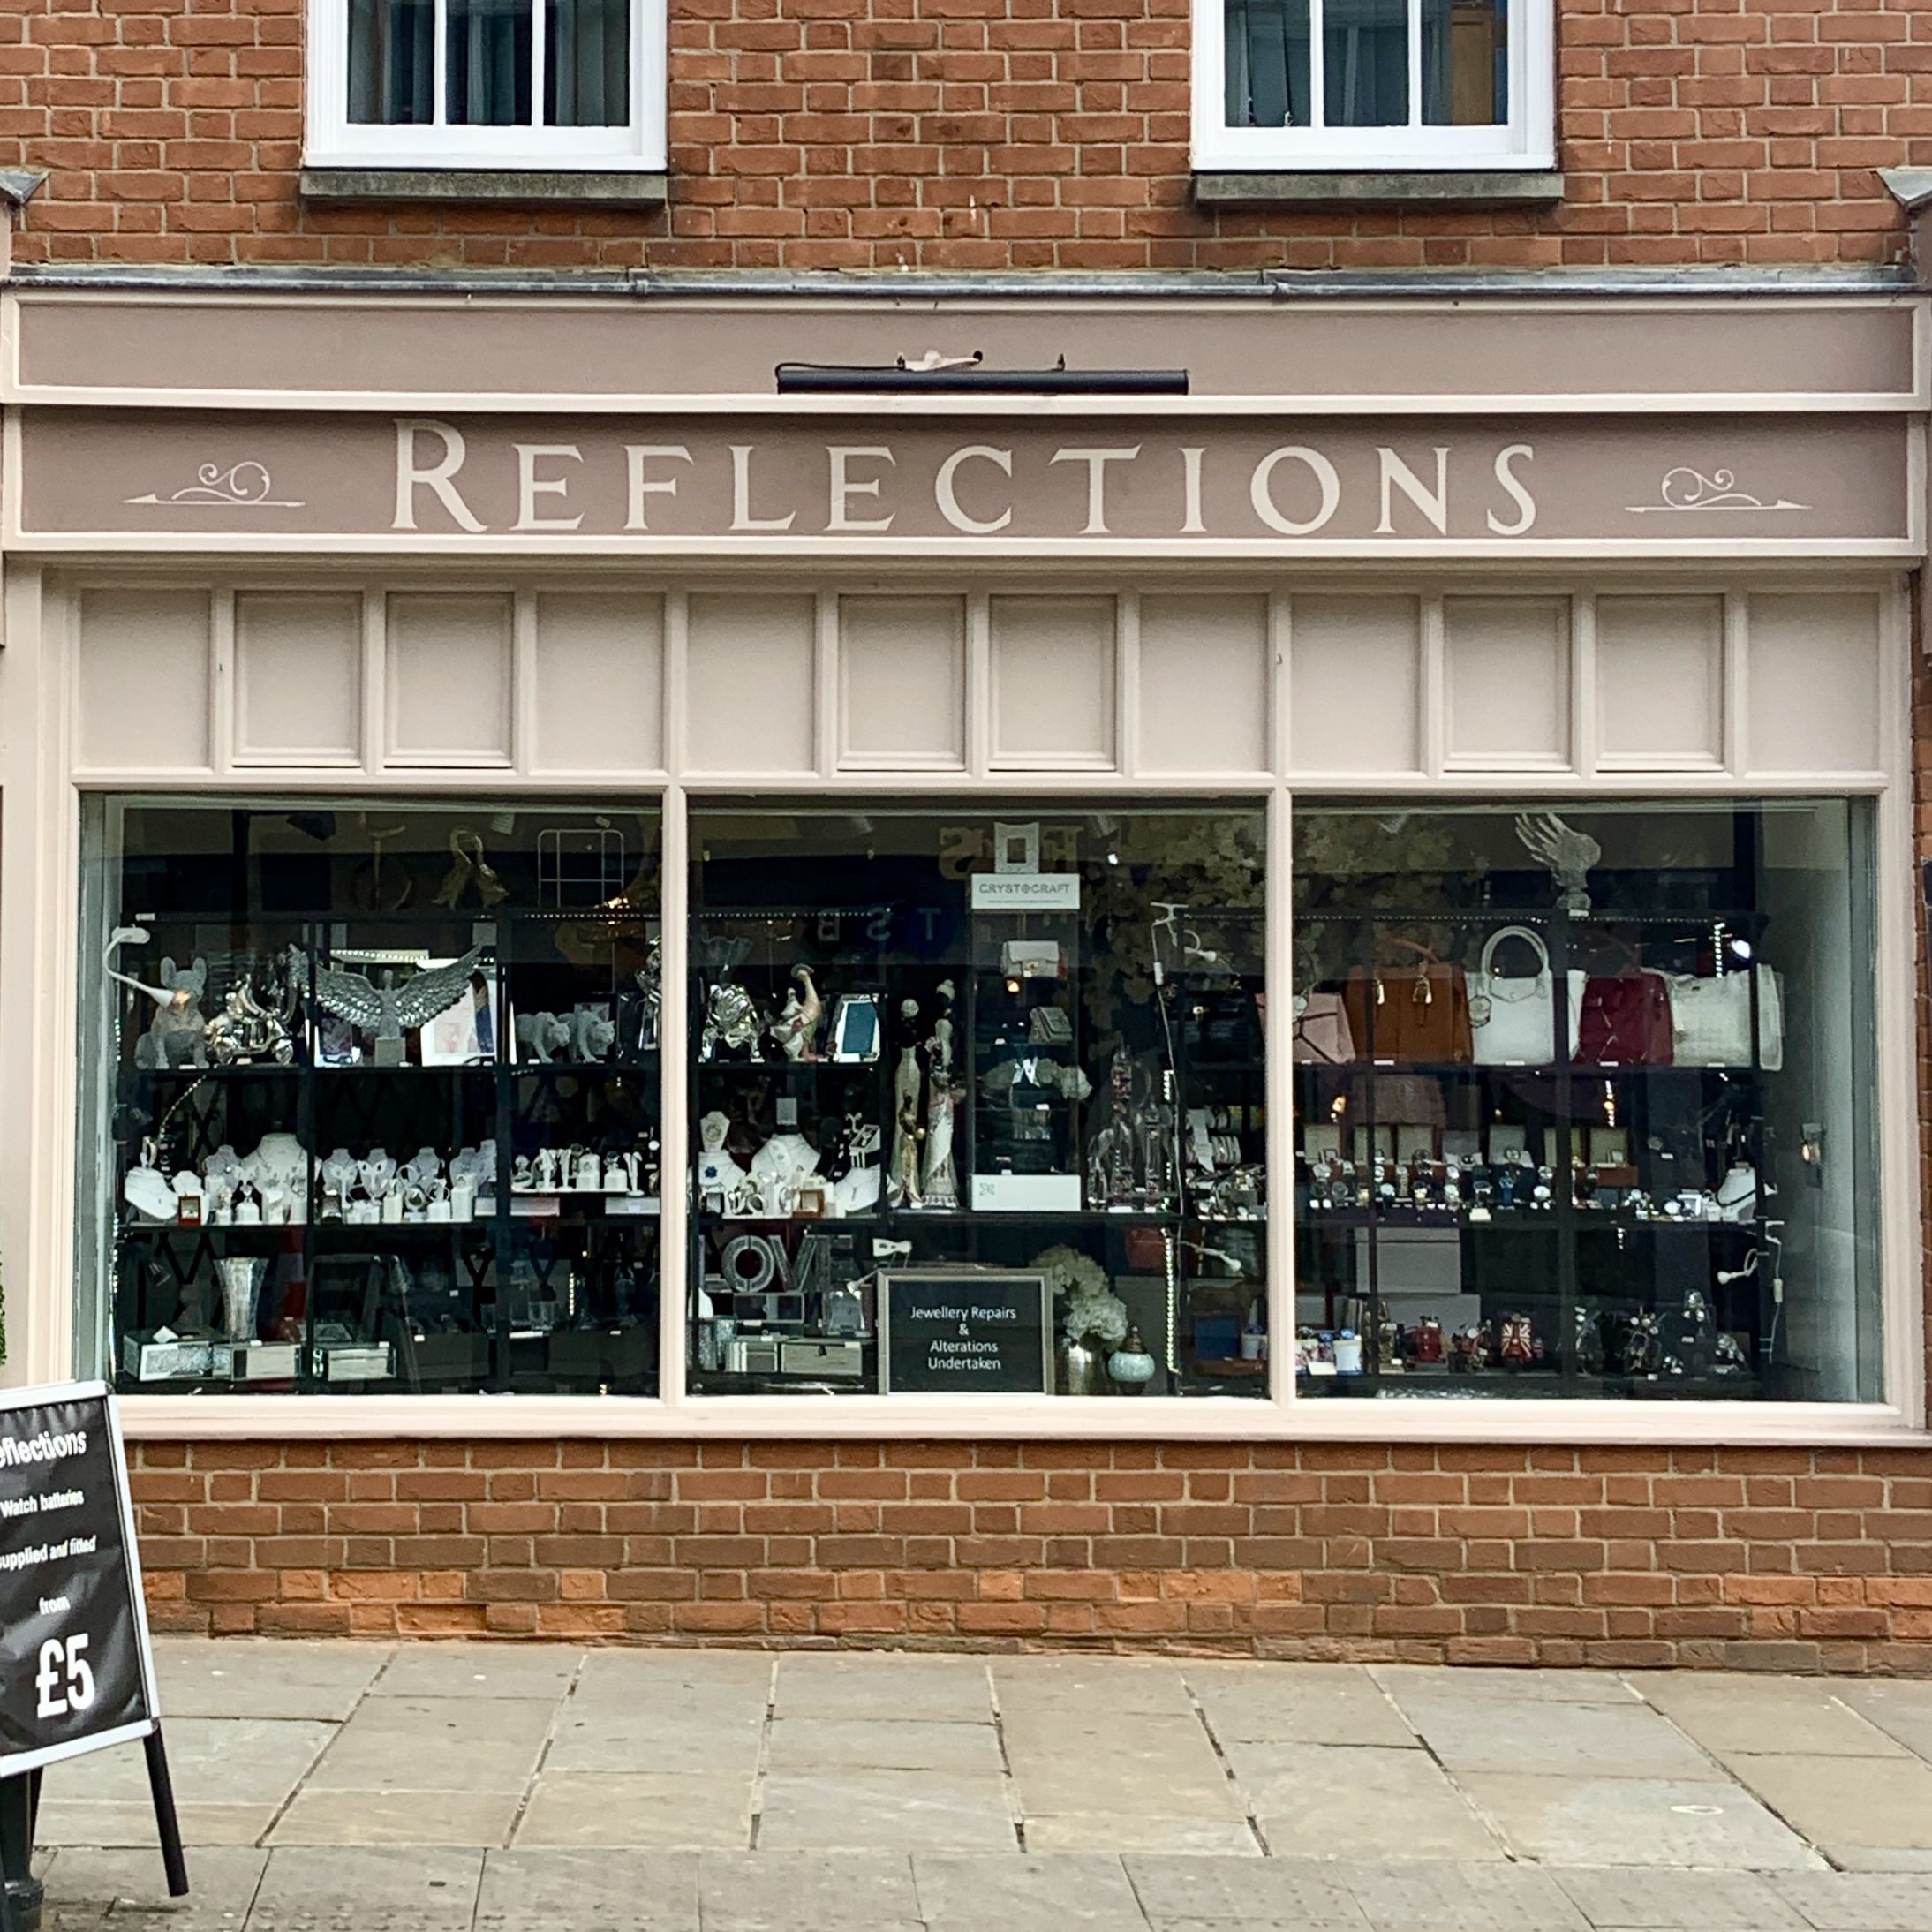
{"points": [[77, 1671]]}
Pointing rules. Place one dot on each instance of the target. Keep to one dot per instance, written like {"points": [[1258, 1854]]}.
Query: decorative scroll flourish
{"points": [[242, 486], [1685, 488]]}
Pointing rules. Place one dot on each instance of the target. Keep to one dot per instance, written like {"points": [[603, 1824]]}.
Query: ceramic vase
{"points": [[240, 1276], [1082, 1367]]}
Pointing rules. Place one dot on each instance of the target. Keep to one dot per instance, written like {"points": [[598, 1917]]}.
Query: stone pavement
{"points": [[443, 1788]]}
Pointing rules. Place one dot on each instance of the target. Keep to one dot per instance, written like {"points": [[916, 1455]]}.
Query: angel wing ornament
{"points": [[1568, 853], [386, 1009]]}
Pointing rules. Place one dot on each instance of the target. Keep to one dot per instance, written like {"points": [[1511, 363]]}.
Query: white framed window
{"points": [[498, 84], [1374, 84]]}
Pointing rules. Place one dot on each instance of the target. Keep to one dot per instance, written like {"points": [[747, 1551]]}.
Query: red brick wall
{"points": [[979, 135], [1780, 1559]]}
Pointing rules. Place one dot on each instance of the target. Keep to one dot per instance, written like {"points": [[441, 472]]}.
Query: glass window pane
{"points": [[1365, 63], [1267, 79], [1577, 1101], [488, 83], [375, 1096], [1466, 62], [586, 63], [392, 53], [951, 1135]]}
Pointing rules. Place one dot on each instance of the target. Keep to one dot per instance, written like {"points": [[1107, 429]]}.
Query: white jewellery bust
{"points": [[716, 1169]]}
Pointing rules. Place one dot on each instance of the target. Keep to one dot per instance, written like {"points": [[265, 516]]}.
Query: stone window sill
{"points": [[485, 186], [1440, 188]]}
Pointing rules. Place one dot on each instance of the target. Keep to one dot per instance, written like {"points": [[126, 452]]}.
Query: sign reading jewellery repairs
{"points": [[1261, 486], [964, 1331], [75, 1672]]}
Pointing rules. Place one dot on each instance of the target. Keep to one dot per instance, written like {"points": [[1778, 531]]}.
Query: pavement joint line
{"points": [[1227, 1768], [1010, 1785], [558, 1711], [762, 1765]]}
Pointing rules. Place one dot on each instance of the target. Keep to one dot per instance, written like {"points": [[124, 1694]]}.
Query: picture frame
{"points": [[856, 1033]]}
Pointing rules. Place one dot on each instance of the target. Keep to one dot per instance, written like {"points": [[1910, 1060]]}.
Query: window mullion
{"points": [[539, 15], [1415, 63], [1317, 78], [440, 86]]}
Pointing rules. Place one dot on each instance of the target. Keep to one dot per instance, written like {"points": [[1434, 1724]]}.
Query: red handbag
{"points": [[1624, 1020]]}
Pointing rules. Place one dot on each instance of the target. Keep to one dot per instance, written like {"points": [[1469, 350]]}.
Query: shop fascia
{"points": [[1291, 489]]}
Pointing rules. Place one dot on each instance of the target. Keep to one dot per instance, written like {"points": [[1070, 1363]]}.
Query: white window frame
{"points": [[1527, 142], [333, 140]]}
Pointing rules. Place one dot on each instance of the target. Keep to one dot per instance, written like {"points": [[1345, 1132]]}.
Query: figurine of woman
{"points": [[796, 1027], [939, 1182], [902, 1182], [1110, 1154]]}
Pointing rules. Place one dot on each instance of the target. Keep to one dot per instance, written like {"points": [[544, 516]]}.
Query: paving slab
{"points": [[1138, 1832], [213, 1761], [1879, 1804], [1635, 1821], [862, 1810], [960, 1893], [1858, 1902], [1127, 1764], [1485, 1683], [931, 1689], [1121, 1685], [1635, 1898], [662, 1674], [715, 1743], [1584, 1740], [1312, 1704], [802, 1891], [442, 1744], [393, 1816], [478, 1670], [224, 1879], [1340, 1801], [261, 1677], [1437, 1898], [1901, 1708], [644, 1810], [115, 1822], [802, 1744], [1729, 1716], [588, 1891], [1223, 1889], [318, 1889]]}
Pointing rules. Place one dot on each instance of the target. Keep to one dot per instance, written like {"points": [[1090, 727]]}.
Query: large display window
{"points": [[375, 1096], [1582, 1100], [978, 1100]]}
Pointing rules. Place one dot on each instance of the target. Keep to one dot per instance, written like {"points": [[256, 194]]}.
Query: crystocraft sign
{"points": [[1261, 486]]}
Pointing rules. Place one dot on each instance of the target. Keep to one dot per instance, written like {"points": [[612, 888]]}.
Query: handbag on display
{"points": [[1621, 1019], [1710, 1019], [1417, 1013], [1513, 1017], [1323, 1036]]}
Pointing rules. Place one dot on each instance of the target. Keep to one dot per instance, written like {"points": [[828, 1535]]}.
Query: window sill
{"points": [[487, 186], [1302, 188]]}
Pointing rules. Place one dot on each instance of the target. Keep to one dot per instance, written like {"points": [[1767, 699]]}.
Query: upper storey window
{"points": [[1373, 84], [508, 84]]}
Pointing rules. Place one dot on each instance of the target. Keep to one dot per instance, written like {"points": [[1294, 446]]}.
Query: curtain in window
{"points": [[392, 57], [1267, 63], [587, 63], [1365, 63], [1465, 63], [488, 80]]}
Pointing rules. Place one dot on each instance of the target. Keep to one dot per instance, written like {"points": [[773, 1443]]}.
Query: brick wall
{"points": [[979, 135], [1778, 1559]]}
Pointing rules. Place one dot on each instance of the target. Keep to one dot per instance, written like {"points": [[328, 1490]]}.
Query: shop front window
{"points": [[374, 1097], [1583, 1101], [978, 1101]]}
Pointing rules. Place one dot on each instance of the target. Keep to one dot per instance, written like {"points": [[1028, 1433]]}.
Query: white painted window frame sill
{"points": [[1502, 1421]]}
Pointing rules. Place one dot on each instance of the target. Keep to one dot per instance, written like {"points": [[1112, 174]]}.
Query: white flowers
{"points": [[1093, 1311]]}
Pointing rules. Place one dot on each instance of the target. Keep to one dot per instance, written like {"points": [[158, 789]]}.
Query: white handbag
{"points": [[1710, 1020], [1514, 1019]]}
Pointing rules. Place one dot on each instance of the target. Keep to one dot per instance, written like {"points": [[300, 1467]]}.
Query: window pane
{"points": [[375, 1096], [392, 55], [489, 63], [1365, 63], [1267, 63], [588, 63], [1466, 62], [951, 1136], [1578, 1101]]}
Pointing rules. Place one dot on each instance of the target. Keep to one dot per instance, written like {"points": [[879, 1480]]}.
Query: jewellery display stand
{"points": [[404, 1254], [1561, 1227]]}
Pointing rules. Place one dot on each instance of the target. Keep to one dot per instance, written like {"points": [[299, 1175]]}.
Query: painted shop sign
{"points": [[208, 481]]}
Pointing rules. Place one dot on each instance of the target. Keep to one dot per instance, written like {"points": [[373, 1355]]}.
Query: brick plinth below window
{"points": [[1783, 1559]]}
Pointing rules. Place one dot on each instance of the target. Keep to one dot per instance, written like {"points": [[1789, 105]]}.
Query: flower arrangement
{"points": [[1093, 1311]]}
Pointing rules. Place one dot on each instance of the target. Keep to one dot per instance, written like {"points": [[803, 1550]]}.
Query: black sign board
{"points": [[75, 1669], [965, 1332]]}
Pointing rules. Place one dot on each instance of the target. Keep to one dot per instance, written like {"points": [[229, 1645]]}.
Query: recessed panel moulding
{"points": [[1662, 484]]}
